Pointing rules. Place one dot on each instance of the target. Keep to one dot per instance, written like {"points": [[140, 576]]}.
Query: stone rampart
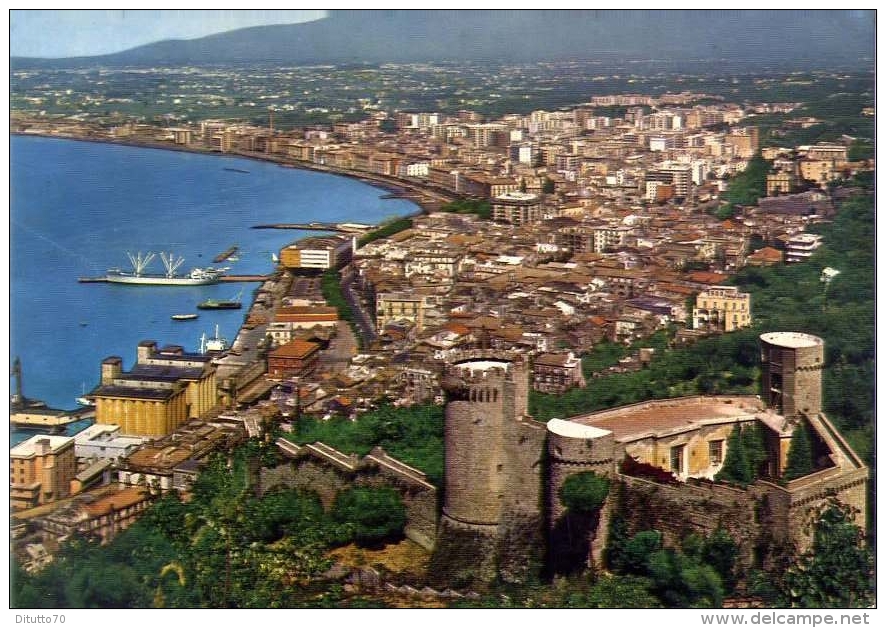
{"points": [[326, 471]]}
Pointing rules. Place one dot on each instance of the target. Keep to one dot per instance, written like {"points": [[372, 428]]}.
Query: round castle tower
{"points": [[791, 364], [575, 448], [483, 394]]}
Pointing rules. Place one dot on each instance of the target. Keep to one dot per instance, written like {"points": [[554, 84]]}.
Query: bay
{"points": [[77, 208]]}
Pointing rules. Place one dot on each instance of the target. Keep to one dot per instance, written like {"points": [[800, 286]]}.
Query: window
{"points": [[677, 459], [715, 451]]}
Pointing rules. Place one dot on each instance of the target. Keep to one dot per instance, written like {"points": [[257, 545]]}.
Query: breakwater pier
{"points": [[342, 227]]}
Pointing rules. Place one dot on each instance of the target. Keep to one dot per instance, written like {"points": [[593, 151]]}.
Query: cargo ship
{"points": [[138, 276], [222, 304]]}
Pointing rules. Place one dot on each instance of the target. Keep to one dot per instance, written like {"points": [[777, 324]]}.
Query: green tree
{"points": [[584, 492], [755, 449], [736, 468], [682, 581], [376, 514], [801, 460], [838, 570], [611, 591], [720, 552], [637, 551]]}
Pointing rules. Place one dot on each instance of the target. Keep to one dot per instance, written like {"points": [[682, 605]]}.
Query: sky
{"points": [[71, 33]]}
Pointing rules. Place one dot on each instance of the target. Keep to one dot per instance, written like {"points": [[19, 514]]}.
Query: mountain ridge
{"points": [[403, 36]]}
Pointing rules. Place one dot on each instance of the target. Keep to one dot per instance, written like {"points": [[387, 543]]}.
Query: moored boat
{"points": [[184, 317], [222, 304], [213, 345]]}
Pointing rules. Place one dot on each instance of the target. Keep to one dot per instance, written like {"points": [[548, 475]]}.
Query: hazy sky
{"points": [[70, 33]]}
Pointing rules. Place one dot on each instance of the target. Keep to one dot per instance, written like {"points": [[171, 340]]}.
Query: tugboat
{"points": [[222, 304]]}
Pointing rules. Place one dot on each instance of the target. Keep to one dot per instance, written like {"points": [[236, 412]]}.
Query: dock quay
{"points": [[318, 226], [236, 278]]}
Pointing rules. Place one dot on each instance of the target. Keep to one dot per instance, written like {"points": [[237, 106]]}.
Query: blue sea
{"points": [[77, 208]]}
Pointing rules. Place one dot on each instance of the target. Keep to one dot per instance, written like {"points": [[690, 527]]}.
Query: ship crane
{"points": [[139, 263], [171, 263]]}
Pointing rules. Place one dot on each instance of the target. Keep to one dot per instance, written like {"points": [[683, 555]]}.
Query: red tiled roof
{"points": [[295, 349]]}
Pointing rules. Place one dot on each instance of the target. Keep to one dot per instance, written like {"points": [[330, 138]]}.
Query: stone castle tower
{"points": [[791, 373], [492, 509]]}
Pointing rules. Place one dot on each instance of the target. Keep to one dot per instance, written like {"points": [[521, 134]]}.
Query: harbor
{"points": [[101, 321]]}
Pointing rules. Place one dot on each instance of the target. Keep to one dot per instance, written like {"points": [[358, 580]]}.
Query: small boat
{"points": [[222, 304], [83, 400], [226, 254], [184, 317], [236, 170]]}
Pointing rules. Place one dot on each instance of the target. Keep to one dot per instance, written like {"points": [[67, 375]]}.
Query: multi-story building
{"points": [[297, 357], [800, 247], [319, 253], [102, 441], [658, 192], [400, 305], [517, 208], [817, 170], [555, 373], [164, 389], [676, 174], [780, 183], [40, 470], [431, 262], [827, 152], [722, 308], [745, 142]]}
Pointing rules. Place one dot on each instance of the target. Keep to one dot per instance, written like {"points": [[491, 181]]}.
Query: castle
{"points": [[502, 516]]}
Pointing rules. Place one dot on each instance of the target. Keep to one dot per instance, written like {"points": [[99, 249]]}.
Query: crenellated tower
{"points": [[492, 515]]}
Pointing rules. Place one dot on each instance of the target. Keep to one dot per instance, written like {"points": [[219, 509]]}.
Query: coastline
{"points": [[428, 198], [424, 201]]}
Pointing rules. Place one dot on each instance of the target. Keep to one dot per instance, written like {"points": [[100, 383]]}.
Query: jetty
{"points": [[236, 278], [342, 227]]}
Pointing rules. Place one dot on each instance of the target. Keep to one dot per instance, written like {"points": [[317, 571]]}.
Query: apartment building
{"points": [[721, 308]]}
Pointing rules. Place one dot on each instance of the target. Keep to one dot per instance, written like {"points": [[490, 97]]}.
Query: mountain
{"points": [[802, 37]]}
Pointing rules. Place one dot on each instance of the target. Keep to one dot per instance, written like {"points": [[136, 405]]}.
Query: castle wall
{"points": [[701, 507], [326, 472]]}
